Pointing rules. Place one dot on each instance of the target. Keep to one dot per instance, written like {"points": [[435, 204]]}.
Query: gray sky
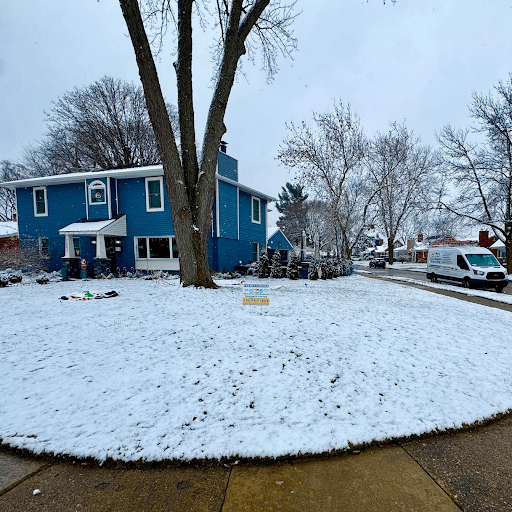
{"points": [[417, 60]]}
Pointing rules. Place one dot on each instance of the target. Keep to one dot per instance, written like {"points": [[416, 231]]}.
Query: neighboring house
{"points": [[9, 244], [122, 219], [8, 235], [499, 250], [278, 241]]}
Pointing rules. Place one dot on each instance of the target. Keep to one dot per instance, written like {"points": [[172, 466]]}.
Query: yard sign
{"points": [[256, 294]]}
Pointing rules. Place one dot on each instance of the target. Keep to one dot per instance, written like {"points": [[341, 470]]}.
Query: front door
{"points": [[110, 246]]}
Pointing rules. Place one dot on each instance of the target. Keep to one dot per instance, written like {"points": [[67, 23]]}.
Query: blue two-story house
{"points": [[121, 219]]}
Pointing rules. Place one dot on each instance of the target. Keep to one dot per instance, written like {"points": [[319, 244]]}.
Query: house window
{"points": [[40, 202], [76, 246], [154, 197], [44, 247], [157, 248], [255, 251], [97, 194], [255, 209]]}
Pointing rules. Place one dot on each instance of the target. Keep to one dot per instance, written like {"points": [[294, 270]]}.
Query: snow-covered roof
{"points": [[133, 172], [8, 229], [381, 248], [497, 245], [113, 227]]}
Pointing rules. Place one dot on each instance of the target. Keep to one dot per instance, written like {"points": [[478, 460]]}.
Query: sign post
{"points": [[256, 294]]}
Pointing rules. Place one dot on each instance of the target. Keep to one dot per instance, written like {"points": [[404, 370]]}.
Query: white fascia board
{"points": [[243, 188], [77, 177]]}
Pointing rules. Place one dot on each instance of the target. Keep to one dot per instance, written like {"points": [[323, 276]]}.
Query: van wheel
{"points": [[433, 278], [466, 282], [500, 288]]}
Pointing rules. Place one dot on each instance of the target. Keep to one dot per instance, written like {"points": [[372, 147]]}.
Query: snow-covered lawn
{"points": [[162, 372]]}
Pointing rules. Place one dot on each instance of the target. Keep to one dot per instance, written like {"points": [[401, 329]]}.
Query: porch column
{"points": [[69, 250], [101, 251]]}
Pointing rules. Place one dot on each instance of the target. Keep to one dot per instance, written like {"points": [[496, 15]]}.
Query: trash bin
{"points": [[64, 273]]}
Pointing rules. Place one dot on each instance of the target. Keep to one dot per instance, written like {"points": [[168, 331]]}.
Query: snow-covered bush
{"points": [[15, 277], [312, 271], [292, 271], [275, 270], [263, 266]]}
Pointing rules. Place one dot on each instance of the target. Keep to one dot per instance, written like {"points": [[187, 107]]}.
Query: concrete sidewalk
{"points": [[469, 471], [381, 479]]}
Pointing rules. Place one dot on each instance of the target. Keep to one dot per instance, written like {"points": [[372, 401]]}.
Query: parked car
{"points": [[473, 267], [377, 263]]}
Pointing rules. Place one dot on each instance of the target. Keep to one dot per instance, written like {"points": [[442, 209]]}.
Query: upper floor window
{"points": [[154, 194], [255, 209], [97, 193], [40, 202]]}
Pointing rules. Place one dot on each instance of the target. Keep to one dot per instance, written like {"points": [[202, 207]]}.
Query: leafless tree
{"points": [[328, 159], [481, 166], [9, 171], [402, 171], [244, 27], [103, 125]]}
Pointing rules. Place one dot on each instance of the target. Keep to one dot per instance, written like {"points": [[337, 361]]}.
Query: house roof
{"points": [[276, 232], [497, 245], [8, 229], [133, 172], [113, 227]]}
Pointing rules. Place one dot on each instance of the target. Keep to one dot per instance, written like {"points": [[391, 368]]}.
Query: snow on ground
{"points": [[165, 372]]}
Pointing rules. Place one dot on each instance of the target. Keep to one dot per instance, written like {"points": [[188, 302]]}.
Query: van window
{"points": [[461, 263], [482, 260]]}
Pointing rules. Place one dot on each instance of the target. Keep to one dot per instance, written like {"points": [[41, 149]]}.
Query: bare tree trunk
{"points": [[391, 248], [192, 247]]}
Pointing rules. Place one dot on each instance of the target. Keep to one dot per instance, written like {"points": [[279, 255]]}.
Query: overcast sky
{"points": [[417, 60]]}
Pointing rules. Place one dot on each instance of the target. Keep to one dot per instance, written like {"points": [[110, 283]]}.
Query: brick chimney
{"points": [[420, 238], [484, 240]]}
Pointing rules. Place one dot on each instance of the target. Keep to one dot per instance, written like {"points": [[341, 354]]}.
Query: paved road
{"points": [[421, 276]]}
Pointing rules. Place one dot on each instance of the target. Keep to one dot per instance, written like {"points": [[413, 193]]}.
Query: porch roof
{"points": [[109, 227]]}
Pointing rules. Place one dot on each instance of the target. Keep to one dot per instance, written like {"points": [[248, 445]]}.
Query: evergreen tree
{"points": [[290, 194], [263, 265], [292, 271], [323, 269], [312, 271], [275, 270]]}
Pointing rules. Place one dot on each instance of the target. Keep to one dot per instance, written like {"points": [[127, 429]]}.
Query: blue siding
{"points": [[98, 211], [227, 166], [278, 241], [66, 204], [228, 210], [249, 230], [139, 222], [229, 253]]}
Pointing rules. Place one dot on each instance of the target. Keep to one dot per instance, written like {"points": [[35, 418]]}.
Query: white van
{"points": [[471, 266]]}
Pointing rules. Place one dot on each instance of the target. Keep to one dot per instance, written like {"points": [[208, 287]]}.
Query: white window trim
{"points": [[252, 210], [45, 214], [161, 209], [40, 246], [96, 184], [257, 250], [136, 247]]}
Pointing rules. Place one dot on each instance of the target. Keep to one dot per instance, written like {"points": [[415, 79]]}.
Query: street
{"points": [[411, 274]]}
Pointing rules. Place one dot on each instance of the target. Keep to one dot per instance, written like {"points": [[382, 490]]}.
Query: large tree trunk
{"points": [[191, 236], [391, 248]]}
